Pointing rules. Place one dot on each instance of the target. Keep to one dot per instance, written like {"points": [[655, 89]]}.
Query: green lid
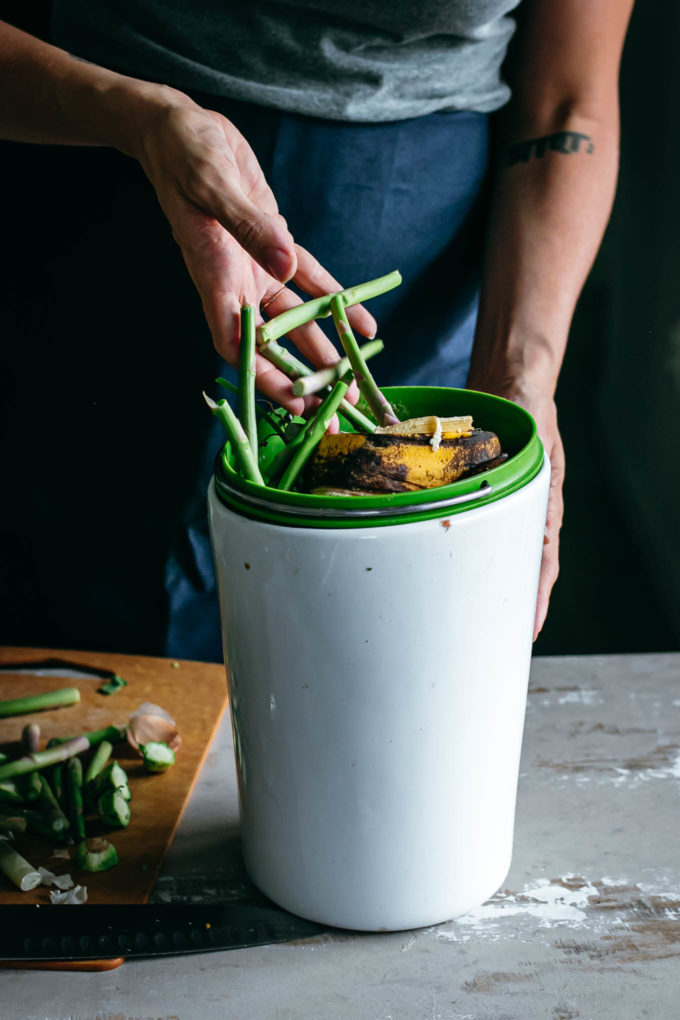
{"points": [[513, 425]]}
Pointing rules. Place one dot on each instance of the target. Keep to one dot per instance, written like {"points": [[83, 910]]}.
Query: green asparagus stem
{"points": [[293, 368], [157, 756], [313, 431], [113, 809], [379, 404], [10, 793], [319, 308], [38, 702], [114, 734], [13, 824], [259, 411], [327, 376], [246, 377], [95, 854], [283, 458], [237, 438], [37, 824], [30, 742], [3, 757], [31, 786], [74, 787], [99, 760], [43, 759], [50, 808], [57, 782], [17, 870]]}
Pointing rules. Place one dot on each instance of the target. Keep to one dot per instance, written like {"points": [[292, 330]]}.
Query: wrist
{"points": [[516, 360], [130, 107]]}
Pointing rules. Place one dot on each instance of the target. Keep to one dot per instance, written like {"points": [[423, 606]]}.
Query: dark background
{"points": [[619, 587]]}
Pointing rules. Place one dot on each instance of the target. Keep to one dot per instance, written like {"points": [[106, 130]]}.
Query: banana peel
{"points": [[446, 428], [412, 458]]}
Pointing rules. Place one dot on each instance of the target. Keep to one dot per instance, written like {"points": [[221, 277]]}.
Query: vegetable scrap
{"points": [[62, 882], [39, 702], [112, 685], [96, 854], [157, 756], [16, 869], [73, 897], [72, 780], [152, 723], [381, 455]]}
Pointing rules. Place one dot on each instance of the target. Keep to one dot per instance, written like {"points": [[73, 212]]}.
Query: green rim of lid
{"points": [[513, 425]]}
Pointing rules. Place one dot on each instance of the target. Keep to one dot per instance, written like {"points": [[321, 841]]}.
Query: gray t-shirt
{"points": [[375, 60]]}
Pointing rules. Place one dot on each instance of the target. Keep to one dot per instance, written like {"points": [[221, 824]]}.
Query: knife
{"points": [[100, 931]]}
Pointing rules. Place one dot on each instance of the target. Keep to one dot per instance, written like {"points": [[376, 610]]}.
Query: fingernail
{"points": [[279, 264]]}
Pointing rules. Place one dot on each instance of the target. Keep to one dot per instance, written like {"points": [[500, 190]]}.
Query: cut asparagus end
{"points": [[74, 787], [30, 738], [113, 809], [113, 777], [99, 761], [50, 807], [113, 684], [17, 869], [36, 823], [37, 702], [95, 854], [157, 756]]}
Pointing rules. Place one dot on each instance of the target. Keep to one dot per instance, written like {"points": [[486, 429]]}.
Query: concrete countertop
{"points": [[587, 923]]}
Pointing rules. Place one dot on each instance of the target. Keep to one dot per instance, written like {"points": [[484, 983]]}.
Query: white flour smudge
{"points": [[583, 696], [635, 777], [548, 904], [562, 903]]}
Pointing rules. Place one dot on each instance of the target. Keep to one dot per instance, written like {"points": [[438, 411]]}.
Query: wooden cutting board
{"points": [[195, 695]]}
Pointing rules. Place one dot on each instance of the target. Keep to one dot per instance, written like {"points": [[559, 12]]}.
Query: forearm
{"points": [[48, 96], [549, 211]]}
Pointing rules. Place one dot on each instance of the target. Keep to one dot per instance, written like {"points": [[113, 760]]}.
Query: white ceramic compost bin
{"points": [[377, 653]]}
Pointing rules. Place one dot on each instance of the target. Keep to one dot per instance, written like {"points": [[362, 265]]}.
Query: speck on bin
{"points": [[377, 654]]}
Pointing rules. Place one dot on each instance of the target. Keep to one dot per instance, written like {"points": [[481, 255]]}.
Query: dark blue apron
{"points": [[107, 448]]}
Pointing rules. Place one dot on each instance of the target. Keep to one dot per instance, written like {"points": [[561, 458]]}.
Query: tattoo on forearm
{"points": [[566, 142]]}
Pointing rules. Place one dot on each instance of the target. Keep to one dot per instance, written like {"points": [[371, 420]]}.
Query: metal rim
{"points": [[336, 513]]}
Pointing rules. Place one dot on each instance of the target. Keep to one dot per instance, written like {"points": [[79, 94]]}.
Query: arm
{"points": [[550, 206], [223, 214]]}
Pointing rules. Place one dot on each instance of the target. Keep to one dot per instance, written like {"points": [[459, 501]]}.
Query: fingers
{"points": [[228, 184], [309, 339], [266, 238], [548, 576], [550, 561], [315, 281]]}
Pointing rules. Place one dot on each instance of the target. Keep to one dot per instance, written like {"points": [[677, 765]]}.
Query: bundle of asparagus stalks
{"points": [[381, 454], [55, 794]]}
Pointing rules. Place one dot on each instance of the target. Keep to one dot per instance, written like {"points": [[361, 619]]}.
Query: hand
{"points": [[235, 243], [541, 406]]}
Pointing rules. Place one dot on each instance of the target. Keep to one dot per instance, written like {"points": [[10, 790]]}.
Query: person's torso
{"points": [[374, 61]]}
